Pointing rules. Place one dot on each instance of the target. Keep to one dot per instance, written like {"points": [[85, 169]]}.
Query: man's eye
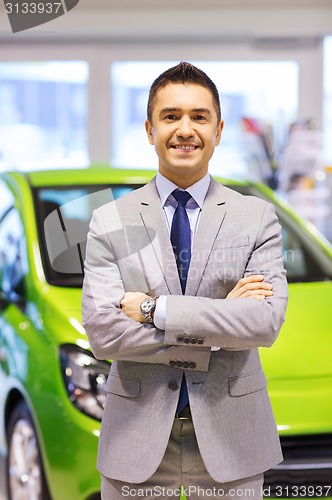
{"points": [[170, 117], [199, 118]]}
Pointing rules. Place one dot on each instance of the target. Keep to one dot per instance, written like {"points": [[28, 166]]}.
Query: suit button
{"points": [[172, 363], [179, 364], [200, 340], [187, 340], [186, 364], [193, 340], [173, 385], [192, 365], [180, 338]]}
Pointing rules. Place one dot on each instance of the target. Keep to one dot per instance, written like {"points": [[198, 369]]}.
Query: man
{"points": [[184, 281]]}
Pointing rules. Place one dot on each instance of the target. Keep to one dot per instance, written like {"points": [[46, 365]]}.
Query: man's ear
{"points": [[148, 128], [219, 131]]}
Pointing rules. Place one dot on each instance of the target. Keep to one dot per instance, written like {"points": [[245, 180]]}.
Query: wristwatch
{"points": [[147, 307]]}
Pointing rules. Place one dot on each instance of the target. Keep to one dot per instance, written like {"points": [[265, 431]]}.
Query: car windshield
{"points": [[304, 258], [63, 216]]}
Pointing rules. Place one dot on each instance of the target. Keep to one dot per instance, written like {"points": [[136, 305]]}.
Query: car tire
{"points": [[25, 474]]}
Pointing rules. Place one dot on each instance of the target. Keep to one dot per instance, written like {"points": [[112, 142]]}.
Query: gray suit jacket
{"points": [[129, 249]]}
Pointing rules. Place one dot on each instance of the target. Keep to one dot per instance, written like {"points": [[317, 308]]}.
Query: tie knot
{"points": [[182, 197]]}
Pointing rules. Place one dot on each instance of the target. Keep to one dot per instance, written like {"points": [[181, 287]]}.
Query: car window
{"points": [[294, 257], [63, 216], [13, 261], [304, 259]]}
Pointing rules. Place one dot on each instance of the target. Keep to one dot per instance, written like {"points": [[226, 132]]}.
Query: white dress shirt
{"points": [[194, 206]]}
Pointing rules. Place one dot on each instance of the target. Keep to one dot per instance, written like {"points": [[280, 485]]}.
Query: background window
{"points": [[327, 109], [43, 120], [7, 200], [264, 91]]}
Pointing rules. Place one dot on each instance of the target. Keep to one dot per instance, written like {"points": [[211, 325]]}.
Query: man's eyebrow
{"points": [[169, 110], [202, 110], [173, 109]]}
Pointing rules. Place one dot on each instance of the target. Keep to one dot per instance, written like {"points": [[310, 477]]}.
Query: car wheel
{"points": [[25, 475]]}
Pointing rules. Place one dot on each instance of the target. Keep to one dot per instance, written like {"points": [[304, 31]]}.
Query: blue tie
{"points": [[181, 242], [181, 237]]}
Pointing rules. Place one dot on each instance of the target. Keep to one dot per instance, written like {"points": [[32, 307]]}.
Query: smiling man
{"points": [[184, 135], [182, 313]]}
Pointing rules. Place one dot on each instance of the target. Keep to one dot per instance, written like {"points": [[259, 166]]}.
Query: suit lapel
{"points": [[212, 216], [153, 218], [155, 224]]}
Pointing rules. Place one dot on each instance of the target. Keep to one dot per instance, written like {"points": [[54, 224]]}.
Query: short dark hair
{"points": [[183, 72]]}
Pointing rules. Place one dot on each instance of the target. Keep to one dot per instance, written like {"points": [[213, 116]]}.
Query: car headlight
{"points": [[85, 379]]}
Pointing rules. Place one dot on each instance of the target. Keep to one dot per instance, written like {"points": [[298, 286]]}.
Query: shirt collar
{"points": [[198, 190]]}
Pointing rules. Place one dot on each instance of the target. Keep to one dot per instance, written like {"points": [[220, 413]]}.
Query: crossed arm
{"points": [[108, 312], [253, 286]]}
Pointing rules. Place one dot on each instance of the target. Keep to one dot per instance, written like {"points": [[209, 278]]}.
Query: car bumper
{"points": [[303, 411]]}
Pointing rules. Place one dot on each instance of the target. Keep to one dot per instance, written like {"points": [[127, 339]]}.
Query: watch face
{"points": [[147, 305]]}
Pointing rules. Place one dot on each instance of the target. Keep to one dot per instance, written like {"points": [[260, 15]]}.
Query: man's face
{"points": [[184, 131]]}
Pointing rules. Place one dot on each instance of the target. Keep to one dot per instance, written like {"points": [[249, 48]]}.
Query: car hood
{"points": [[303, 348]]}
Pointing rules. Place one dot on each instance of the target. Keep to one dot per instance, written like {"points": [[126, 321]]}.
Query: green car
{"points": [[52, 389]]}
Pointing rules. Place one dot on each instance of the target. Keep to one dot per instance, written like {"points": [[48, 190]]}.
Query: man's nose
{"points": [[185, 128]]}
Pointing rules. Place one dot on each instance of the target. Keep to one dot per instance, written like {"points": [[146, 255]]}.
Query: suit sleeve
{"points": [[237, 324], [112, 335]]}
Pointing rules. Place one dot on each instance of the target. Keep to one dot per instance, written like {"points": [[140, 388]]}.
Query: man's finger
{"points": [[257, 297], [256, 286], [128, 296], [261, 293], [248, 279]]}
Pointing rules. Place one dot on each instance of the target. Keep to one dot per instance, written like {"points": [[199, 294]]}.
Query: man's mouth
{"points": [[184, 147]]}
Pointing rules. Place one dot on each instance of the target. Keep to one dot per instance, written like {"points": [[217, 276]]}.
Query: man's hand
{"points": [[252, 286], [130, 305]]}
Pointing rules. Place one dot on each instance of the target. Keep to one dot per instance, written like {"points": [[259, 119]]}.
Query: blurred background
{"points": [[73, 91]]}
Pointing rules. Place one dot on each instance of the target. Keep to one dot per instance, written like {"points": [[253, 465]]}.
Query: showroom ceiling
{"points": [[233, 4], [171, 21]]}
